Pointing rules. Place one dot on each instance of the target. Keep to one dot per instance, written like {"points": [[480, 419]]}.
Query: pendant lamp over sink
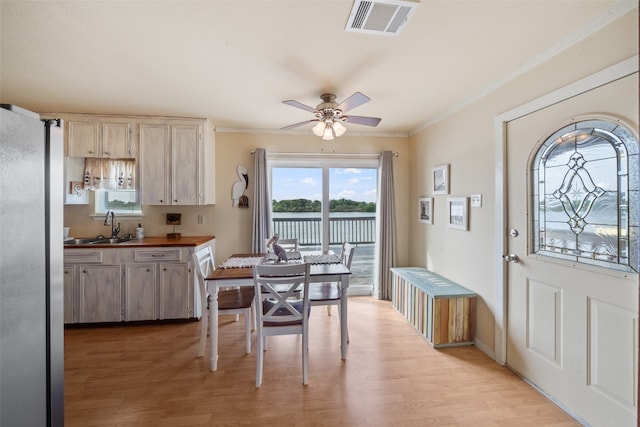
{"points": [[330, 116]]}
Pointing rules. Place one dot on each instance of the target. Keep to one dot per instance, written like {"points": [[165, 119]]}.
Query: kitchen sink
{"points": [[97, 241]]}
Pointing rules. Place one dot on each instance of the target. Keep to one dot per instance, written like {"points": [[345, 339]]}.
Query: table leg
{"points": [[213, 326], [344, 330]]}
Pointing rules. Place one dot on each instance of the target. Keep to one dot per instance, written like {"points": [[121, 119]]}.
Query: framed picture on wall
{"points": [[440, 180], [425, 205], [458, 213]]}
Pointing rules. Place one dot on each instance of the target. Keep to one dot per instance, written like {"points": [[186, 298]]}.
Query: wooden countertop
{"points": [[159, 241]]}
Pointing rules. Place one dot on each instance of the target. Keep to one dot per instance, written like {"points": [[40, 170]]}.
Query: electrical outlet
{"points": [[200, 219], [476, 200]]}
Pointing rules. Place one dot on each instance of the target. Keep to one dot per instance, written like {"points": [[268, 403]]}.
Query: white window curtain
{"points": [[386, 249], [261, 203], [107, 174]]}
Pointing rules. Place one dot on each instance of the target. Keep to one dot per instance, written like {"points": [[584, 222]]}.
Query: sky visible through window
{"points": [[356, 184]]}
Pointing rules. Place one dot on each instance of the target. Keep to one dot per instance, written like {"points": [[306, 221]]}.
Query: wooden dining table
{"points": [[243, 276]]}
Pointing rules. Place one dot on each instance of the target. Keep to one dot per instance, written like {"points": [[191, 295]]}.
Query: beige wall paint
{"points": [[466, 141], [231, 226]]}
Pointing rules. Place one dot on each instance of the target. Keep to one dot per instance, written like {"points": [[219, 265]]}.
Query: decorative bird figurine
{"points": [[277, 249], [238, 188]]}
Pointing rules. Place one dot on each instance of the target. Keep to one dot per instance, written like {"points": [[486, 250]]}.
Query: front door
{"points": [[572, 315]]}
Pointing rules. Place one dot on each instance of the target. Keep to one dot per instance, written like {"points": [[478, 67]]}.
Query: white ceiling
{"points": [[236, 61]]}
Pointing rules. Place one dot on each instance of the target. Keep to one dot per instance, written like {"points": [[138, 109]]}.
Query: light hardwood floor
{"points": [[148, 375]]}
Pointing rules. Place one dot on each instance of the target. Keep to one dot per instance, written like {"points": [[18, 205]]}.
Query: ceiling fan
{"points": [[330, 115]]}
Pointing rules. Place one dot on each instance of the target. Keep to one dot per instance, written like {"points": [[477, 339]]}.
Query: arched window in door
{"points": [[585, 188]]}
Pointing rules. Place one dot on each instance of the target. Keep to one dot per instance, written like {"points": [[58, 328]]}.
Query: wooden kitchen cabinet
{"points": [[159, 284], [140, 292], [176, 291], [100, 297], [125, 283], [177, 162], [69, 300], [92, 286], [99, 137]]}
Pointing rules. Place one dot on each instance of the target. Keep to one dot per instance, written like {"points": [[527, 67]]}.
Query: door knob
{"points": [[511, 258]]}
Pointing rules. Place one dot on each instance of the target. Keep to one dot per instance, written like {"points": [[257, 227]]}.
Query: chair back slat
{"points": [[276, 287], [204, 265], [348, 251]]}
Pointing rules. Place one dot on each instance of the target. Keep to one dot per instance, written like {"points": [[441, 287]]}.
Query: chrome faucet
{"points": [[114, 230]]}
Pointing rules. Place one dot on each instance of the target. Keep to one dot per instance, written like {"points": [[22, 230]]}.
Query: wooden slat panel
{"points": [[445, 320]]}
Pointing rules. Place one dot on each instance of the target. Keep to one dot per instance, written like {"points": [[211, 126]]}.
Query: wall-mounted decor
{"points": [[425, 205], [238, 188], [76, 187], [458, 213], [440, 178]]}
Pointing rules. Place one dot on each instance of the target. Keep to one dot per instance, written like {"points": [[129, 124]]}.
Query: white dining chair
{"points": [[277, 313], [330, 293], [230, 301]]}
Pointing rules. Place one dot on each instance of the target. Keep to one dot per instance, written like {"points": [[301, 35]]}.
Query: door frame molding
{"points": [[600, 78]]}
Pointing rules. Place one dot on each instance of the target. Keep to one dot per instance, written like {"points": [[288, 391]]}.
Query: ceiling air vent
{"points": [[380, 17]]}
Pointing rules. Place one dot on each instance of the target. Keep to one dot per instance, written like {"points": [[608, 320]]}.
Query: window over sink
{"points": [[114, 183], [119, 201]]}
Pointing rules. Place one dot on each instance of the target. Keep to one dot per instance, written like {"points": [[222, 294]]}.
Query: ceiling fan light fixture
{"points": [[328, 133], [330, 116], [319, 128], [338, 128]]}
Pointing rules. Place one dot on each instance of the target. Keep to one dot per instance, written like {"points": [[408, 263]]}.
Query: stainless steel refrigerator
{"points": [[31, 270]]}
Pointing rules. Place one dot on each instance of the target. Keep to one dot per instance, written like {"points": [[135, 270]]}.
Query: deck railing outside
{"points": [[360, 231], [308, 231]]}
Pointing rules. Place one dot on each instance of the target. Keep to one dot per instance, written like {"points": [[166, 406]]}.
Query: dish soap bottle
{"points": [[139, 232]]}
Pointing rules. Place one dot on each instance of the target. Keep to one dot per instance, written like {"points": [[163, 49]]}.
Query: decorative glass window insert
{"points": [[586, 196]]}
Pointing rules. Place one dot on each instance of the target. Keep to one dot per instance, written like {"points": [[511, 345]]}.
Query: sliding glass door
{"points": [[326, 202]]}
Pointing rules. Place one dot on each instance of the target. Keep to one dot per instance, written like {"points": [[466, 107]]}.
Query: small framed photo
{"points": [[425, 214], [458, 213], [441, 180]]}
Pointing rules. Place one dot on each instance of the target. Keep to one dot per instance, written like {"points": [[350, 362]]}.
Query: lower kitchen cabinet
{"points": [[161, 290], [167, 292], [140, 292], [100, 293], [176, 294], [68, 294], [92, 286], [130, 284]]}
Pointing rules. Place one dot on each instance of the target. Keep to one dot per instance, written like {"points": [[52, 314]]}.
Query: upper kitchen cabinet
{"points": [[177, 161], [100, 137]]}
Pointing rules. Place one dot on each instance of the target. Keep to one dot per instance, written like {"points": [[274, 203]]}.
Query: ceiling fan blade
{"points": [[362, 120], [299, 105], [355, 100], [295, 125]]}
